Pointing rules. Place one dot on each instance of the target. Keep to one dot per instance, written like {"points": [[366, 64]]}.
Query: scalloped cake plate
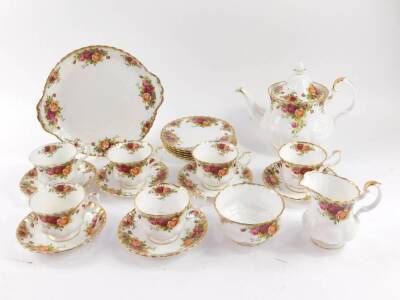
{"points": [[97, 96]]}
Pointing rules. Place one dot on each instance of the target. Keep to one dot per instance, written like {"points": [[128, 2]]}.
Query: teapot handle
{"points": [[371, 206], [335, 88]]}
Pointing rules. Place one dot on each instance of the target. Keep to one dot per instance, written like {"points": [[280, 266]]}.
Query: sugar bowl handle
{"points": [[371, 206], [245, 158], [336, 87], [334, 158]]}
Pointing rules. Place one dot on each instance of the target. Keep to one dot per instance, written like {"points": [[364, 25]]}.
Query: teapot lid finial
{"points": [[299, 68]]}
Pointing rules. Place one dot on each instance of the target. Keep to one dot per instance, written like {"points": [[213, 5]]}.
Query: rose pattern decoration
{"points": [[164, 223], [130, 60], [52, 111], [217, 171], [62, 171], [271, 175], [91, 56], [162, 191], [62, 189], [171, 138], [132, 147], [103, 145], [147, 92], [160, 177], [222, 148], [299, 170], [335, 211], [302, 148], [146, 125], [54, 77], [49, 150], [264, 231], [130, 171], [295, 108], [198, 231], [203, 121], [27, 184], [58, 222], [91, 229]]}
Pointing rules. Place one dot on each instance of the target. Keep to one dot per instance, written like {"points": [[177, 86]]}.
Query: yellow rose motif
{"points": [[53, 106], [62, 221], [172, 223], [67, 170], [222, 172], [96, 57], [342, 214], [146, 97], [135, 171], [272, 229], [105, 145]]}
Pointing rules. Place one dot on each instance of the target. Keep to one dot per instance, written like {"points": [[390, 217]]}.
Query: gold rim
{"points": [[329, 199], [184, 249], [73, 141], [308, 143], [100, 182], [187, 206], [233, 134], [246, 224], [133, 162], [31, 217], [228, 163], [276, 98]]}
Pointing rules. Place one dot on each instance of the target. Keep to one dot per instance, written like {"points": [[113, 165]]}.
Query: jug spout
{"points": [[256, 112]]}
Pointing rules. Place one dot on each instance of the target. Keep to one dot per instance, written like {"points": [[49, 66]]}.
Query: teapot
{"points": [[330, 219], [297, 110]]}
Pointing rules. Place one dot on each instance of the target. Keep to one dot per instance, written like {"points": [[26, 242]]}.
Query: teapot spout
{"points": [[255, 111]]}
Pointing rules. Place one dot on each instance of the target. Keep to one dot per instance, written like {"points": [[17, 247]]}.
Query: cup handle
{"points": [[338, 81], [335, 157], [94, 197], [372, 205], [245, 158]]}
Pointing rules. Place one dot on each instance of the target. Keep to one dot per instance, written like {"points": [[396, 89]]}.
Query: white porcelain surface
{"points": [[330, 220], [216, 163], [249, 212], [52, 154], [120, 153], [99, 94], [161, 211], [298, 110], [316, 156], [48, 201]]}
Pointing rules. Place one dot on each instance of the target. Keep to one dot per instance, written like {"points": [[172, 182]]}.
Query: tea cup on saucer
{"points": [[161, 211], [130, 160], [56, 208], [56, 163], [249, 213], [216, 163], [301, 157]]}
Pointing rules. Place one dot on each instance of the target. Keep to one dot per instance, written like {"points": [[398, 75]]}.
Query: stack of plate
{"points": [[180, 136]]}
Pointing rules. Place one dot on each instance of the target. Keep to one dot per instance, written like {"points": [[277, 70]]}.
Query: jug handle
{"points": [[371, 206], [335, 88]]}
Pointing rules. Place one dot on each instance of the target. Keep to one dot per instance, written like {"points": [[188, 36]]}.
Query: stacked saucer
{"points": [[180, 136]]}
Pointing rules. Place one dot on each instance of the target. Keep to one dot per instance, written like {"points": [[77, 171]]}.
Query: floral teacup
{"points": [[55, 163], [301, 157], [130, 161], [216, 163], [249, 213], [57, 209], [161, 211]]}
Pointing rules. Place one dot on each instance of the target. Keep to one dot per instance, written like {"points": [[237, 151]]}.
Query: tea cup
{"points": [[249, 213], [301, 157], [56, 163], [57, 210], [216, 163], [130, 160], [161, 211]]}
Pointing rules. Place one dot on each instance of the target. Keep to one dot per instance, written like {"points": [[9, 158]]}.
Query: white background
{"points": [[203, 50]]}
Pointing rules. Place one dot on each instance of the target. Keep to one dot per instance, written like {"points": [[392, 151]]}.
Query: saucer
{"points": [[272, 178], [108, 183], [134, 239], [32, 238], [187, 178], [29, 183]]}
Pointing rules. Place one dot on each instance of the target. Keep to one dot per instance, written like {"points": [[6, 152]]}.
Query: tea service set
{"points": [[80, 94]]}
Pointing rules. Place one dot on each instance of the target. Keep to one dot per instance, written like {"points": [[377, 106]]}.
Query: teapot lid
{"points": [[298, 87]]}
